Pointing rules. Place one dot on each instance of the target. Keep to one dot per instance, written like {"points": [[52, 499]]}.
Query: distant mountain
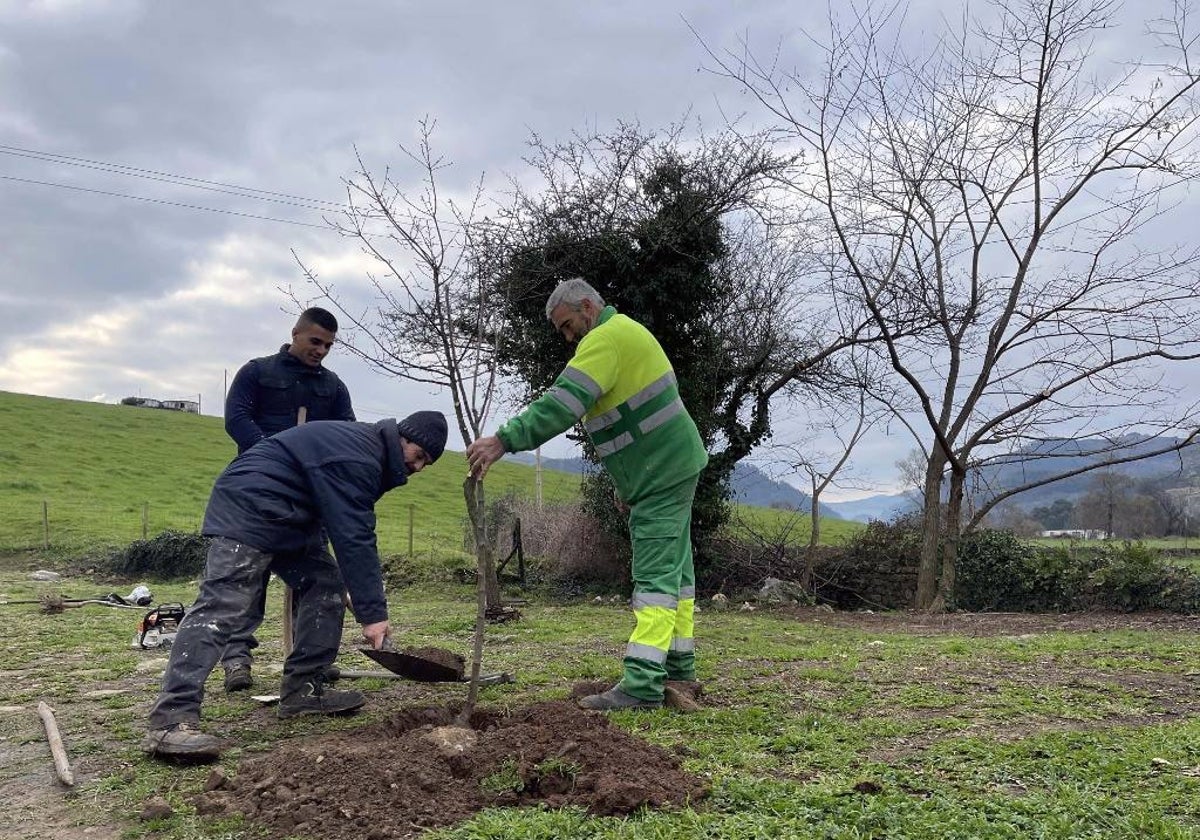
{"points": [[577, 466], [880, 506], [1046, 458], [751, 486], [569, 465]]}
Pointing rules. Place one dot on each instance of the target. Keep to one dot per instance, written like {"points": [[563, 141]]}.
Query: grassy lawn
{"points": [[99, 469], [102, 475], [1189, 544], [815, 724], [788, 527]]}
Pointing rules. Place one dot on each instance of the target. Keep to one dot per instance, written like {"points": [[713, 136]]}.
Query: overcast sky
{"points": [[109, 296]]}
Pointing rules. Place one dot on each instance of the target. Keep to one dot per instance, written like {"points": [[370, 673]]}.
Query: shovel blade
{"points": [[414, 667]]}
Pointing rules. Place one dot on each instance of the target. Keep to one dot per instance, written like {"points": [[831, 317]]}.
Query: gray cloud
{"points": [[114, 296]]}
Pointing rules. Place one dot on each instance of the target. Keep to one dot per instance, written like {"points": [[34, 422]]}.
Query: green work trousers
{"points": [[662, 646]]}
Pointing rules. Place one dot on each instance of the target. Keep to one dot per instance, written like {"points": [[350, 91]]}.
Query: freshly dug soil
{"points": [[389, 780]]}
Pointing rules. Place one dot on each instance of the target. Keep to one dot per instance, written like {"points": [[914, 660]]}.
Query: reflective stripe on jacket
{"points": [[621, 385]]}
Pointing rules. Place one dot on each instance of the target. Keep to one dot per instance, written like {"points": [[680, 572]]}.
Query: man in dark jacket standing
{"points": [[269, 504], [266, 394], [267, 397]]}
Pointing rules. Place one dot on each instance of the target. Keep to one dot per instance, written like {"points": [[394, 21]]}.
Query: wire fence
{"points": [[77, 524]]}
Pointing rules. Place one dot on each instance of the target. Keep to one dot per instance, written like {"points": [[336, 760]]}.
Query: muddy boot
{"points": [[615, 700], [331, 674], [181, 742], [692, 688], [238, 677], [311, 697]]}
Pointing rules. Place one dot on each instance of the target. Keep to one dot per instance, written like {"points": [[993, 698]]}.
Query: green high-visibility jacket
{"points": [[622, 386]]}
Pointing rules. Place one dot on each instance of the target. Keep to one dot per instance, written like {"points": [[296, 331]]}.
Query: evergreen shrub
{"points": [[172, 555]]}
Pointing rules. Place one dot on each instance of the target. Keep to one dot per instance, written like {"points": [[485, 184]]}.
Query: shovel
{"points": [[408, 663]]}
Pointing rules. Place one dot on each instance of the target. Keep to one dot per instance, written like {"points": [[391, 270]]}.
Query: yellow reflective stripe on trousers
{"points": [[651, 637], [685, 623]]}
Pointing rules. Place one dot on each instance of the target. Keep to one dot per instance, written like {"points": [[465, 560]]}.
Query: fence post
{"points": [[145, 521], [411, 513], [45, 524]]}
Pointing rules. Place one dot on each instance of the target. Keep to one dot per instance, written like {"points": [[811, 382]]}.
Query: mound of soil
{"points": [[390, 780]]}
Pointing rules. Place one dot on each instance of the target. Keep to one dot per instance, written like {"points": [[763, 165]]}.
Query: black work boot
{"points": [[312, 697], [615, 700], [182, 742], [238, 677]]}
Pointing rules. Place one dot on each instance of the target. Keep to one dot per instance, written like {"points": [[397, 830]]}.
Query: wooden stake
{"points": [[301, 416], [61, 766]]}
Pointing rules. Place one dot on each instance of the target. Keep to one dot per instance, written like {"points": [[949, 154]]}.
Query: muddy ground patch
{"points": [[388, 780]]}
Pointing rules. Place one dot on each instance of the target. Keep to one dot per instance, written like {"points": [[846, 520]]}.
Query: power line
{"points": [[169, 177], [164, 201], [290, 199]]}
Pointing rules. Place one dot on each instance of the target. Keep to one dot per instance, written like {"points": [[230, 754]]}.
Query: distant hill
{"points": [[882, 506], [96, 470], [1179, 469], [1174, 470], [751, 486]]}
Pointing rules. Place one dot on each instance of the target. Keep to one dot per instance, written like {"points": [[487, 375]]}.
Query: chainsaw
{"points": [[158, 627]]}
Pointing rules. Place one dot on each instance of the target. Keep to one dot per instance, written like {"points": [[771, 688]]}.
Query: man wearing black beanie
{"points": [[269, 503]]}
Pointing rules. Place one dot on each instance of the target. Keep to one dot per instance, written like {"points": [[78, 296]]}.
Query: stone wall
{"points": [[888, 582]]}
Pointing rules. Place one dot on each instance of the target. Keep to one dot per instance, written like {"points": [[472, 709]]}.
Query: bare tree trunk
{"points": [[931, 527], [485, 551], [484, 555], [952, 533], [810, 556]]}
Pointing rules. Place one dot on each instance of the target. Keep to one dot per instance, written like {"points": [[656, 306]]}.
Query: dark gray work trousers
{"points": [[233, 575]]}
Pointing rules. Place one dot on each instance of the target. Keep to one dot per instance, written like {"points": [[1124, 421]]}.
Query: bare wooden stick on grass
{"points": [[61, 766]]}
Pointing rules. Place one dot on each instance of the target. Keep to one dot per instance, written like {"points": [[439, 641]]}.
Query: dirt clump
{"points": [[388, 781]]}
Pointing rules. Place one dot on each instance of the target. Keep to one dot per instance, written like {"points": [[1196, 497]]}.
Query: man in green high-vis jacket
{"points": [[621, 385]]}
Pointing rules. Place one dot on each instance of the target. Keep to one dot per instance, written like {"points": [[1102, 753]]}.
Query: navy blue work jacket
{"points": [[278, 495], [266, 395]]}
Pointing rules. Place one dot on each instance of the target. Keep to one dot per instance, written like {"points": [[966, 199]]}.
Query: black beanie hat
{"points": [[427, 429]]}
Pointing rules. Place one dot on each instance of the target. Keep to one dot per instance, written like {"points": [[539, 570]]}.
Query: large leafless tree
{"points": [[1010, 187], [430, 321]]}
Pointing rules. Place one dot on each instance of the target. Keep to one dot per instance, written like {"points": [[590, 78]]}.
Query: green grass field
{"points": [[815, 725], [787, 527], [101, 475], [100, 468]]}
